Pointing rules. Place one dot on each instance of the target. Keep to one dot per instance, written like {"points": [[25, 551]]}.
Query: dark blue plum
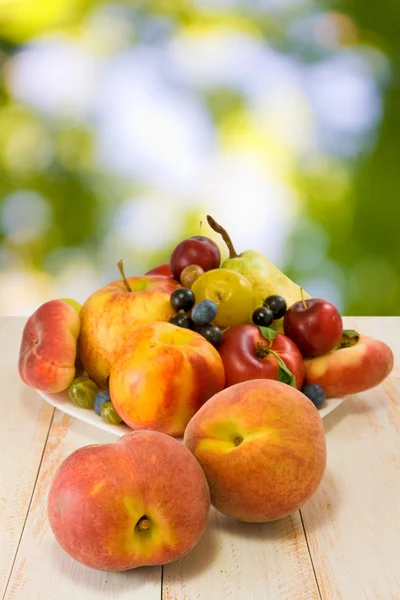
{"points": [[315, 393], [204, 312], [100, 399]]}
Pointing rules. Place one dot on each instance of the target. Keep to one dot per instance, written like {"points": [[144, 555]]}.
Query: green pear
{"points": [[264, 276]]}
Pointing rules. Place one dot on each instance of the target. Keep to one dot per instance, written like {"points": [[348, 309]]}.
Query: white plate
{"points": [[62, 402]]}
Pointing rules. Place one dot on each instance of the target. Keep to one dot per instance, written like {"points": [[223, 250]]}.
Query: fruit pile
{"points": [[260, 322], [228, 356]]}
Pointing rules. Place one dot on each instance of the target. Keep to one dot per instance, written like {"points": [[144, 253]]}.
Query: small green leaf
{"points": [[268, 333], [285, 375]]}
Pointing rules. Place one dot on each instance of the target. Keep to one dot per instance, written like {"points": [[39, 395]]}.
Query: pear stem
{"points": [[302, 298], [225, 236], [124, 279]]}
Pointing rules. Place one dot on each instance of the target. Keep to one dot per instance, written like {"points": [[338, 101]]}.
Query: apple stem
{"points": [[143, 524], [124, 279], [278, 358], [302, 298], [262, 350], [225, 236], [201, 225]]}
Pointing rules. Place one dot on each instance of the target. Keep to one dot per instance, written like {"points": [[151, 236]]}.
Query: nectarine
{"points": [[143, 500], [163, 376], [261, 444]]}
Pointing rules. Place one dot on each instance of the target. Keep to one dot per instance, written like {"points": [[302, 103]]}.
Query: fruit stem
{"points": [[302, 298], [262, 351], [225, 236], [278, 358], [124, 279], [143, 524]]}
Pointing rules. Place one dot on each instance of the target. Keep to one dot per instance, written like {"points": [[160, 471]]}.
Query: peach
{"points": [[48, 348], [163, 377], [143, 500], [351, 370], [110, 314], [261, 444]]}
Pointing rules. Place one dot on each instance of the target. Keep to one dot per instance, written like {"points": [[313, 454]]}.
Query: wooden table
{"points": [[344, 544]]}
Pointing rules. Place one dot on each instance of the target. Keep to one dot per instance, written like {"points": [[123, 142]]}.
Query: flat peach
{"points": [[48, 348], [351, 370]]}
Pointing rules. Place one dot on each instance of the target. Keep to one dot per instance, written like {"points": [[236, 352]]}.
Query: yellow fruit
{"points": [[264, 276], [231, 291]]}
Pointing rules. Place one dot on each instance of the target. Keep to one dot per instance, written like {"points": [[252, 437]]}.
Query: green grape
{"points": [[82, 392], [109, 414]]}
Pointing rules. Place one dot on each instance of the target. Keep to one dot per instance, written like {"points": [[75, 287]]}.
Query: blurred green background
{"points": [[122, 124]]}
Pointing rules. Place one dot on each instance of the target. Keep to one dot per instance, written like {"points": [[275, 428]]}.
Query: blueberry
{"points": [[204, 312], [211, 334], [182, 320], [277, 304], [100, 399], [263, 316], [182, 299], [315, 393]]}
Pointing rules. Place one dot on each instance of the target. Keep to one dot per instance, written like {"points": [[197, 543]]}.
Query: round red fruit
{"points": [[247, 354], [315, 325], [164, 269], [197, 250]]}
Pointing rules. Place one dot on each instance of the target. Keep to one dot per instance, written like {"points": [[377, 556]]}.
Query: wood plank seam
{"points": [[311, 558], [29, 505]]}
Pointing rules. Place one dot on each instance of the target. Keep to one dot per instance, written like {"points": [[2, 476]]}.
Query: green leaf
{"points": [[285, 375], [268, 333]]}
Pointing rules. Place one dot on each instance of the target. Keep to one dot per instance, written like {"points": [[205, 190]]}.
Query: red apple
{"points": [[110, 314], [196, 250], [164, 269], [360, 364], [247, 354], [314, 324], [142, 500]]}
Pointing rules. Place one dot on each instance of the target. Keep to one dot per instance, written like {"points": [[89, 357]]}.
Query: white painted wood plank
{"points": [[243, 561], [24, 424], [353, 521], [43, 571]]}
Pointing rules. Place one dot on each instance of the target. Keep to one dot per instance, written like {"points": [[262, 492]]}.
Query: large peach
{"points": [[261, 444], [48, 348], [110, 315], [350, 370], [163, 377], [143, 500]]}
